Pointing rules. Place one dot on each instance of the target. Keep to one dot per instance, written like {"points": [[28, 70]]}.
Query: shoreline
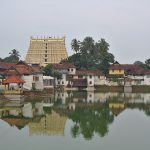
{"points": [[101, 89]]}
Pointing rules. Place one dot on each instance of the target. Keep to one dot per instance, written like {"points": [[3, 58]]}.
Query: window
{"points": [[35, 78], [72, 70], [90, 76], [45, 60], [80, 76], [45, 51], [58, 82], [90, 82], [113, 70], [119, 70], [45, 55], [62, 82]]}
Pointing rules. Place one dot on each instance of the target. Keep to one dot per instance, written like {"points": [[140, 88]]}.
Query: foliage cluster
{"points": [[12, 58], [90, 54]]}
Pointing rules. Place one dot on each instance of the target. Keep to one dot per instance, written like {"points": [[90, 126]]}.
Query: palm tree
{"points": [[14, 53], [75, 45]]}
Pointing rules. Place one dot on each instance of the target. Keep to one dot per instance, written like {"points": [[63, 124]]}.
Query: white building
{"points": [[32, 75]]}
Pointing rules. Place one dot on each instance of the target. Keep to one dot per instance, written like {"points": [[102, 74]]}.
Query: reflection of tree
{"points": [[90, 120], [147, 112]]}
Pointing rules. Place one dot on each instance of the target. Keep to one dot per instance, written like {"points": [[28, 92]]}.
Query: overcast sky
{"points": [[125, 24]]}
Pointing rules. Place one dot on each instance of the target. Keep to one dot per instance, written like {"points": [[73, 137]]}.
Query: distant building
{"points": [[74, 79], [21, 73], [45, 51], [125, 69]]}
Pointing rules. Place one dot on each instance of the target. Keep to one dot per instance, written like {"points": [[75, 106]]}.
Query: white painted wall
{"points": [[99, 80], [62, 81], [90, 81], [29, 80], [72, 71], [39, 84], [146, 80]]}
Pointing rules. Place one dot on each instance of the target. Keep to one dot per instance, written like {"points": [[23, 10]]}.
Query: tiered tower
{"points": [[47, 50]]}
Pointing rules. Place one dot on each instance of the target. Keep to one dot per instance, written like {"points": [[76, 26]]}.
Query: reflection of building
{"points": [[45, 51], [116, 107], [50, 124]]}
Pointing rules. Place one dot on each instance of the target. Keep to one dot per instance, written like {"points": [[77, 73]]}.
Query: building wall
{"points": [[39, 84], [99, 80], [62, 81], [146, 80], [90, 80], [72, 71], [29, 82], [116, 72]]}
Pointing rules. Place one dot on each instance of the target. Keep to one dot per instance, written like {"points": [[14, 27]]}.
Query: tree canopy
{"points": [[90, 54], [49, 71], [12, 58], [146, 64]]}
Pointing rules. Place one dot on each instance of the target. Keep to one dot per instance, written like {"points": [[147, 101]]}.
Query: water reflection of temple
{"points": [[38, 116], [50, 124], [90, 112]]}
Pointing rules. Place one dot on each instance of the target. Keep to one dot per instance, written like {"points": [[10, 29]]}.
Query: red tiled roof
{"points": [[89, 72], [21, 68], [5, 66], [63, 66], [11, 71], [13, 79], [147, 71]]}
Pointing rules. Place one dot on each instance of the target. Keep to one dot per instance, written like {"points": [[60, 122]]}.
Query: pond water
{"points": [[76, 120]]}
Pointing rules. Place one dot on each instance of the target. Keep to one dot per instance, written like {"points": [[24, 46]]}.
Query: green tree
{"points": [[13, 58], [141, 64], [147, 62], [48, 70], [14, 53], [75, 45], [91, 55]]}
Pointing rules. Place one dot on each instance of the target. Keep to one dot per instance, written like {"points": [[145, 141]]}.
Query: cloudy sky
{"points": [[125, 24]]}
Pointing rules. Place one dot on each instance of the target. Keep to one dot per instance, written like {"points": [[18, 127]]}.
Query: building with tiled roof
{"points": [[4, 67], [72, 78], [13, 79], [65, 68], [125, 69], [31, 75]]}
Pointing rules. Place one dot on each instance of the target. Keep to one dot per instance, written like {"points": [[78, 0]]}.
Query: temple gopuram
{"points": [[47, 50]]}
